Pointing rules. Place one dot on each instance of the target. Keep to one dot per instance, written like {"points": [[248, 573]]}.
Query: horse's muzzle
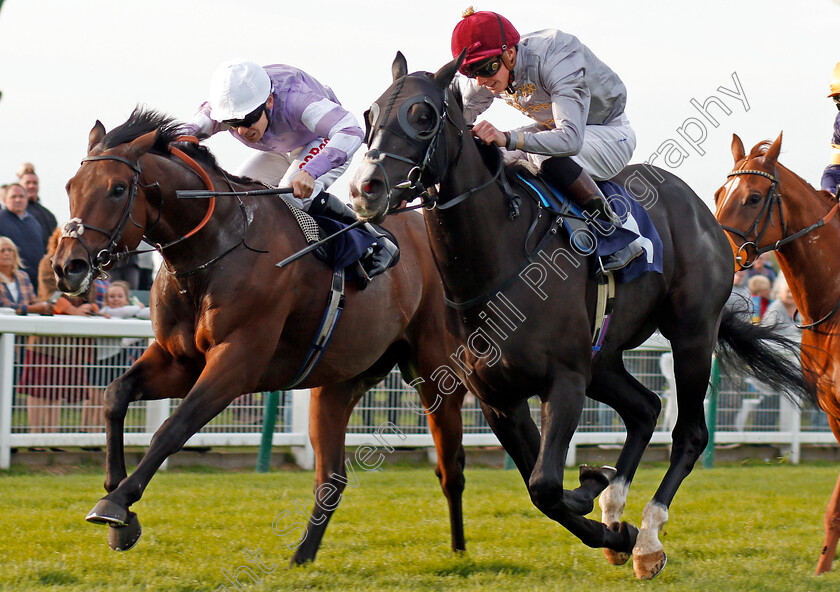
{"points": [[72, 277]]}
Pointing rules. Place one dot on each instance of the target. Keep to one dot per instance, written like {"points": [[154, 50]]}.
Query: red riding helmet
{"points": [[484, 34]]}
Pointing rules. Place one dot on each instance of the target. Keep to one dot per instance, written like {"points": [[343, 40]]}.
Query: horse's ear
{"points": [[737, 148], [772, 154], [445, 75], [97, 133], [400, 67], [141, 145]]}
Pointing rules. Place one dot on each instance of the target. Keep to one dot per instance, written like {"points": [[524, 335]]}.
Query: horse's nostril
{"points": [[77, 267]]}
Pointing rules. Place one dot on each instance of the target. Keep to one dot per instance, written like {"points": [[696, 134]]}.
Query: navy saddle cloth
{"points": [[604, 239]]}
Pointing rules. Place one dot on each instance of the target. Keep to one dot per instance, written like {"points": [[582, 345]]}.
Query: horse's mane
{"points": [[144, 120]]}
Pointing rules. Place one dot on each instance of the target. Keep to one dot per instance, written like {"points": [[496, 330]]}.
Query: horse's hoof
{"points": [[618, 557], [578, 503], [108, 512], [123, 538], [600, 475], [647, 567]]}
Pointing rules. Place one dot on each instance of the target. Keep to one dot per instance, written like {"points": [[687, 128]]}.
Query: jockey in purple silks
{"points": [[304, 136], [831, 174], [580, 132]]}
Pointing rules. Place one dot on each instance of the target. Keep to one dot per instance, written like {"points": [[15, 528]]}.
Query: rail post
{"points": [[272, 401], [711, 415]]}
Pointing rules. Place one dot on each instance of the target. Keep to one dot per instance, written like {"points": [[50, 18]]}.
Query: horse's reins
{"points": [[772, 200]]}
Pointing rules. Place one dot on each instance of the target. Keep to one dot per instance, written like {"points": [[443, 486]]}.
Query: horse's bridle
{"points": [[413, 180], [419, 168], [75, 227], [772, 200]]}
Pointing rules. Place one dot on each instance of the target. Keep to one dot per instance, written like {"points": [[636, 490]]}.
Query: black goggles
{"points": [[486, 69], [247, 121]]}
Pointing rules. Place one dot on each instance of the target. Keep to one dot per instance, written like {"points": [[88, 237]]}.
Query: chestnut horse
{"points": [[227, 321], [542, 345], [765, 207]]}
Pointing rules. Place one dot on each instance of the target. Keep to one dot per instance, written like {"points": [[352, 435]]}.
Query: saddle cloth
{"points": [[636, 223]]}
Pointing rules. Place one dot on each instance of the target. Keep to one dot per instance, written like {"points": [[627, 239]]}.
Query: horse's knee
{"points": [[546, 491]]}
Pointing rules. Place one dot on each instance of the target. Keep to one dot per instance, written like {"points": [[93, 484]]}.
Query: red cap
{"points": [[484, 34]]}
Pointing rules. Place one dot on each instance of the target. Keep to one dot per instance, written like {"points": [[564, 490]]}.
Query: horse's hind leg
{"points": [[832, 516], [445, 423], [639, 409], [329, 412], [692, 367]]}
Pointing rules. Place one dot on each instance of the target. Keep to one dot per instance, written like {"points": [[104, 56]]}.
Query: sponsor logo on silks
{"points": [[313, 152]]}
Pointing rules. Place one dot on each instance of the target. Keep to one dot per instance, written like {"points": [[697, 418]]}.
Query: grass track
{"points": [[731, 528]]}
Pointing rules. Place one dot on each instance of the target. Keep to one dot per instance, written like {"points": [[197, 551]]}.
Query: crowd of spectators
{"points": [[53, 371]]}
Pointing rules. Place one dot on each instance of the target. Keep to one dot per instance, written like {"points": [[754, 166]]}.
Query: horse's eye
{"points": [[754, 198], [119, 190]]}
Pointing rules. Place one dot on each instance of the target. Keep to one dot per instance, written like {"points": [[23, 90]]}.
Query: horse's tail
{"points": [[762, 352]]}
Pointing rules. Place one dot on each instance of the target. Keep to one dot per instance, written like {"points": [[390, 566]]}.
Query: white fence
{"points": [[53, 371]]}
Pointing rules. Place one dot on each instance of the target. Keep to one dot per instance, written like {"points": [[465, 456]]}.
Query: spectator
{"points": [[760, 292], [23, 229], [113, 355], [54, 367], [16, 291], [781, 312], [29, 180], [764, 266], [739, 298], [3, 188]]}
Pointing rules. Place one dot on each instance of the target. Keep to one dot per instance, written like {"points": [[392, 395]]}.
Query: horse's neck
{"points": [[473, 241], [169, 222], [809, 262]]}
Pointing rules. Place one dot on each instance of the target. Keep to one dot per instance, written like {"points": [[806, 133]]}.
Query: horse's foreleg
{"points": [[446, 426], [832, 517], [154, 376], [561, 411], [517, 434], [218, 384], [329, 411]]}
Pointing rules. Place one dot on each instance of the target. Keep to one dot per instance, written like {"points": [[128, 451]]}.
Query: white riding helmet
{"points": [[237, 88]]}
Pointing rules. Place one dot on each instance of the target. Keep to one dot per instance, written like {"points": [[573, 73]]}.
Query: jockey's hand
{"points": [[302, 184], [487, 133]]}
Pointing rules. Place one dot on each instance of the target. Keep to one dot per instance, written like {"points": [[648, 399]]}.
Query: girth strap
{"points": [[335, 304]]}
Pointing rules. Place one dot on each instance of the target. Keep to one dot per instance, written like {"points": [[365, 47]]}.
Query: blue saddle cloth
{"points": [[636, 223], [345, 249]]}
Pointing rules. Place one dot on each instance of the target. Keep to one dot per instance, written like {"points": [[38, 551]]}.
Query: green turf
{"points": [[732, 528]]}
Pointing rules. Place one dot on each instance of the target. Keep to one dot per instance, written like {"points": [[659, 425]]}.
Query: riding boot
{"points": [[584, 192], [380, 256]]}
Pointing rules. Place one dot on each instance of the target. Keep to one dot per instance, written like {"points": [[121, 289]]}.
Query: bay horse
{"points": [[763, 207], [227, 321], [418, 139]]}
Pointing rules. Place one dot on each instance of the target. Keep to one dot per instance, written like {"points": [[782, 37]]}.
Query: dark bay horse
{"points": [[526, 329], [227, 321], [765, 207]]}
